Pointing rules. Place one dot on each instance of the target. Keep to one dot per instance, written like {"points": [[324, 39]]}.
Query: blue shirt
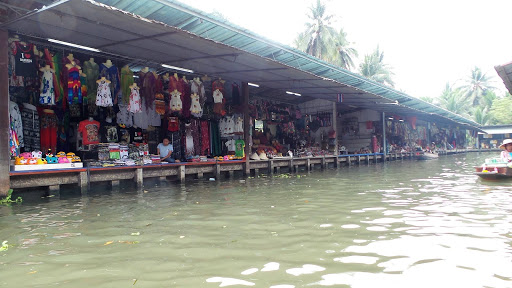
{"points": [[164, 150]]}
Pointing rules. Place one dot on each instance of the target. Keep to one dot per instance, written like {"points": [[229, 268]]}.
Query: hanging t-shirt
{"points": [[239, 148], [90, 131], [24, 59], [136, 135], [17, 123], [231, 145], [111, 134]]}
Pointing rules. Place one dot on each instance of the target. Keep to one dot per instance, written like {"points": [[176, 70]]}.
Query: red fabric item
{"points": [[174, 124], [90, 132], [205, 138], [48, 130], [412, 120], [186, 101], [369, 125]]}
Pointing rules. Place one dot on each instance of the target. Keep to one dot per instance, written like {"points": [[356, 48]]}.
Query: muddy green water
{"points": [[397, 224]]}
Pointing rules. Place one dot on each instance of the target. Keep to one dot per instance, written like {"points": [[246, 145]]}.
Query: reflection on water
{"points": [[397, 224]]}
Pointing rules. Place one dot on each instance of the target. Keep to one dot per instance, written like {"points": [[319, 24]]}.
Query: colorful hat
{"points": [[52, 160], [63, 160], [255, 156], [41, 161], [505, 142], [20, 161], [61, 154], [32, 161]]}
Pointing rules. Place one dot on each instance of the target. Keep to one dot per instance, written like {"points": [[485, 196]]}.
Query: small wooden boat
{"points": [[493, 172], [425, 155]]}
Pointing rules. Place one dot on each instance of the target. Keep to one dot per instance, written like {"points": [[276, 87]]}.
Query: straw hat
{"points": [[505, 142], [255, 156]]}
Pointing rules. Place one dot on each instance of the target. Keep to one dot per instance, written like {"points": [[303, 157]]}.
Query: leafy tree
{"points": [[374, 68], [500, 110], [476, 85]]}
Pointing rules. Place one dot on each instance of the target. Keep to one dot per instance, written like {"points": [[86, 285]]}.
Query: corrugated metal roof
{"points": [[501, 129], [192, 39], [175, 13]]}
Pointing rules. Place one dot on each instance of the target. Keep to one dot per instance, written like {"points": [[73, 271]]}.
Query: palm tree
{"points": [[482, 116], [342, 54], [373, 68], [427, 99], [476, 85], [317, 39], [454, 100]]}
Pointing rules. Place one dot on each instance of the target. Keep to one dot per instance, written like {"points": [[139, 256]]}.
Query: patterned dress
{"points": [[47, 96], [104, 96], [134, 106]]}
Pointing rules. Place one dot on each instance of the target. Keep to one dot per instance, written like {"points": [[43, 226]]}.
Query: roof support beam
{"points": [[138, 39]]}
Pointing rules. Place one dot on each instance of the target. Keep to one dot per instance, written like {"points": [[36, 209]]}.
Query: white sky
{"points": [[427, 43]]}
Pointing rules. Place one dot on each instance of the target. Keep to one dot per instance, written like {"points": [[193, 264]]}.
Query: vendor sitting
{"points": [[506, 155], [165, 151]]}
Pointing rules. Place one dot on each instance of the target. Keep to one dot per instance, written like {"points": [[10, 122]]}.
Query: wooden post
{"points": [[256, 172], [271, 166], [182, 173], [139, 177], [200, 175], [308, 165], [217, 171], [335, 128], [247, 127], [82, 181], [115, 183], [349, 161], [290, 166], [231, 174], [5, 157], [323, 162]]}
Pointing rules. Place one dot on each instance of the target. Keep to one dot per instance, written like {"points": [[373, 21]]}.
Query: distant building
{"points": [[494, 135]]}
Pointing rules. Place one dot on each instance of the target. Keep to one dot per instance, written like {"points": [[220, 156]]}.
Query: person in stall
{"points": [[506, 154], [165, 150]]}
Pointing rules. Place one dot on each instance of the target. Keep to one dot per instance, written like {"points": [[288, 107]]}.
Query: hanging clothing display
{"points": [[104, 96], [197, 87], [48, 130], [160, 103], [205, 138], [134, 105], [195, 107], [24, 59], [74, 85], [31, 130], [175, 105], [240, 148], [185, 97], [47, 95], [124, 117], [90, 131], [189, 141], [16, 121], [14, 144], [110, 73], [92, 73], [126, 82]]}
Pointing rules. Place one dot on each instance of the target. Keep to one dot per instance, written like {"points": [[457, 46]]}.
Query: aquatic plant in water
{"points": [[7, 200]]}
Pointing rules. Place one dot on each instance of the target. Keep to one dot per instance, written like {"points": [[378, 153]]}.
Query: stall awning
{"points": [[154, 32], [497, 130], [505, 73]]}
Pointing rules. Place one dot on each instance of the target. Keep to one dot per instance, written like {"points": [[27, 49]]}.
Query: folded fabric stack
{"points": [[155, 159], [203, 159], [129, 162], [123, 152], [114, 151]]}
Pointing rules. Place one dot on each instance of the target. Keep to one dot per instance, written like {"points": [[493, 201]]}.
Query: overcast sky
{"points": [[427, 43]]}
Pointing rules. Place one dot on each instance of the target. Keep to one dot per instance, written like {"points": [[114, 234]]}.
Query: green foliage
{"points": [[7, 200], [427, 99], [321, 40], [501, 109], [374, 68], [476, 85], [454, 100]]}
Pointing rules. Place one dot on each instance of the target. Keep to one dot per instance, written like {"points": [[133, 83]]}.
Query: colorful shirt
{"points": [[90, 131], [47, 95]]}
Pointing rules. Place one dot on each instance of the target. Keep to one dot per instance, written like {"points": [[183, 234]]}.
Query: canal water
{"points": [[397, 224]]}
